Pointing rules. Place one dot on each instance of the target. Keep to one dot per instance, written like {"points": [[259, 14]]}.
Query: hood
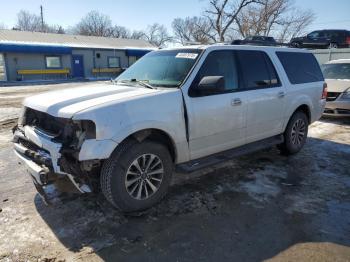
{"points": [[337, 85], [67, 102]]}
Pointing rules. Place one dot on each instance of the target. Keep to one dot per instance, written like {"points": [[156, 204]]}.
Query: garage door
{"points": [[2, 68]]}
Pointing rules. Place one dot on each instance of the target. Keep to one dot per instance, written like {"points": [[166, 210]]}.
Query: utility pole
{"points": [[42, 18]]}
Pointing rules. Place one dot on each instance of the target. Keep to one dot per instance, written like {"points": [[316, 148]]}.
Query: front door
{"points": [[265, 93], [317, 38], [217, 119], [78, 66]]}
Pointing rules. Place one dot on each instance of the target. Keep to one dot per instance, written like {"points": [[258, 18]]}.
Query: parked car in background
{"points": [[337, 75], [323, 39], [256, 40], [187, 108]]}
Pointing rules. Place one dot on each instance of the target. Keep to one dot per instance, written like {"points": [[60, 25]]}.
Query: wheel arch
{"points": [[305, 109], [155, 135]]}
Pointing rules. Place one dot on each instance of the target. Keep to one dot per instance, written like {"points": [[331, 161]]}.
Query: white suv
{"points": [[185, 108]]}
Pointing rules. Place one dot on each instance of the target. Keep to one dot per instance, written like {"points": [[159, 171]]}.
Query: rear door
{"points": [[265, 94], [216, 120]]}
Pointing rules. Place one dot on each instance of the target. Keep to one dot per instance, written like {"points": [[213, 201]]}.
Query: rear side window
{"points": [[300, 67], [257, 69]]}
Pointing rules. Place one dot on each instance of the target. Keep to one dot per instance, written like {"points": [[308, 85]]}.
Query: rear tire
{"points": [[137, 175], [295, 134]]}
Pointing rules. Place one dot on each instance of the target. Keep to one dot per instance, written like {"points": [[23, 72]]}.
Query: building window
{"points": [[132, 59], [113, 62], [2, 68], [53, 62]]}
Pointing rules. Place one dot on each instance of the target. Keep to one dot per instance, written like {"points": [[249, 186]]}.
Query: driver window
{"points": [[219, 63], [315, 34]]}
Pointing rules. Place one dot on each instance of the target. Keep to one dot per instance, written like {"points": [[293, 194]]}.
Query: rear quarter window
{"points": [[300, 67]]}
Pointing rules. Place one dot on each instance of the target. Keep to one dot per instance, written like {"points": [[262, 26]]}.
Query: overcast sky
{"points": [[137, 14]]}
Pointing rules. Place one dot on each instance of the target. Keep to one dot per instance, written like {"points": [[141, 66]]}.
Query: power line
{"points": [[42, 18]]}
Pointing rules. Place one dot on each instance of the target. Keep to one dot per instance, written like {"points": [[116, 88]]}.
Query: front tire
{"points": [[296, 45], [295, 134], [137, 175]]}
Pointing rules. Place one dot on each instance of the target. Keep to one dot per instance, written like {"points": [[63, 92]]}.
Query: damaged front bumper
{"points": [[41, 155]]}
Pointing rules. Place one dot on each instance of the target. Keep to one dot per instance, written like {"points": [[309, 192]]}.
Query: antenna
{"points": [[42, 18]]}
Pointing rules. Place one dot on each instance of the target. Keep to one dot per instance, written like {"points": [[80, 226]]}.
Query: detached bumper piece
{"points": [[40, 155], [38, 173]]}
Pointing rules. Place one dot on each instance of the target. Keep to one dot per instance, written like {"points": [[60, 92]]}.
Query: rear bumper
{"points": [[337, 108]]}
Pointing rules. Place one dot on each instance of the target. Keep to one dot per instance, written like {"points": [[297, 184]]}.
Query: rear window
{"points": [[300, 67], [336, 71]]}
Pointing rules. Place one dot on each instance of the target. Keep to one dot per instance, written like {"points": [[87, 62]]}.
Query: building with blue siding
{"points": [[28, 56]]}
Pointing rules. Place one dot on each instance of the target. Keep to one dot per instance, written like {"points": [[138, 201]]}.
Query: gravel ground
{"points": [[263, 206]]}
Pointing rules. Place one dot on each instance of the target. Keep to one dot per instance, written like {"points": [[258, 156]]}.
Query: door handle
{"points": [[236, 102], [281, 94]]}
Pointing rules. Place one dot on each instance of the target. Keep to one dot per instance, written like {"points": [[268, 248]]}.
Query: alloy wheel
{"points": [[144, 176], [298, 132]]}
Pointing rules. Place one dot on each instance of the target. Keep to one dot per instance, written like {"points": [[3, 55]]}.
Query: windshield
{"points": [[336, 71], [161, 68]]}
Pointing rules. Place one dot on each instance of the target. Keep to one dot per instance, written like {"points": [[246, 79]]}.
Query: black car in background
{"points": [[256, 40], [323, 39]]}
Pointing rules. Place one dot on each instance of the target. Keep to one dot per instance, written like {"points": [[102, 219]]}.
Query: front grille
{"points": [[331, 96]]}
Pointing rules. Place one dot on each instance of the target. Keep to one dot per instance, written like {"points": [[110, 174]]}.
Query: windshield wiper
{"points": [[140, 82]]}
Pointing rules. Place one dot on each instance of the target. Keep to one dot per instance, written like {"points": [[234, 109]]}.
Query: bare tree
{"points": [[31, 22], [157, 35], [121, 32], [295, 24], [3, 26], [273, 17], [28, 22], [95, 24], [137, 34], [222, 14], [193, 29]]}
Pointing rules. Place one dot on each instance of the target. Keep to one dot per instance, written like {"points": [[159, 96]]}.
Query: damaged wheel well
{"points": [[155, 135]]}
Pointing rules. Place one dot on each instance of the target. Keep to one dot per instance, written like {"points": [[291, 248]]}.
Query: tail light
{"points": [[348, 40], [324, 92]]}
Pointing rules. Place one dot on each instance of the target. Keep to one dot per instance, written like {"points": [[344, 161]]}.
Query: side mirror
{"points": [[211, 84]]}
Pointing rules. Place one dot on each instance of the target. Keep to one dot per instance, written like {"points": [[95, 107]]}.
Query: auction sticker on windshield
{"points": [[187, 55]]}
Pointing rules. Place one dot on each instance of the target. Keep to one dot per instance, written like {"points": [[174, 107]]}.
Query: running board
{"points": [[217, 158]]}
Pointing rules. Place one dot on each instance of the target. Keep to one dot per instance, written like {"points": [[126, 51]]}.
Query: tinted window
{"points": [[257, 70], [219, 63], [336, 71], [316, 34], [300, 67], [270, 39]]}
